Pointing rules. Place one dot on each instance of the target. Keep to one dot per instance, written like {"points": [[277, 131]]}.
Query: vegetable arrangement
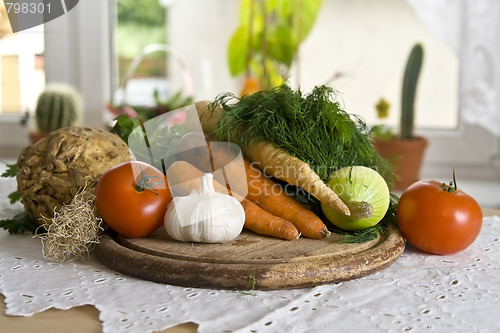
{"points": [[266, 193], [256, 219], [280, 129], [310, 170]]}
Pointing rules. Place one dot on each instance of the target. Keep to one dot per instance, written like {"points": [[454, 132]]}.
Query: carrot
{"points": [[272, 198], [280, 164], [184, 177], [277, 162], [265, 192]]}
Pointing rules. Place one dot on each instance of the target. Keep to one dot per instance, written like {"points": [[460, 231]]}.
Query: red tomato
{"points": [[438, 218], [132, 198]]}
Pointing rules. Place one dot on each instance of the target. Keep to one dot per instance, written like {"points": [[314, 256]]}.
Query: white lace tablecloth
{"points": [[419, 292]]}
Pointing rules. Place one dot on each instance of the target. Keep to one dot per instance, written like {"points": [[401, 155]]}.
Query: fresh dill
{"points": [[253, 282], [313, 127], [365, 235]]}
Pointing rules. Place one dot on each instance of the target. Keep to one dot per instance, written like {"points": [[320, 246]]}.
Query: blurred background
{"points": [[125, 52]]}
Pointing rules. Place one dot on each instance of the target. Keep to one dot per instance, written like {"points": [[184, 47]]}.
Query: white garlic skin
{"points": [[204, 216]]}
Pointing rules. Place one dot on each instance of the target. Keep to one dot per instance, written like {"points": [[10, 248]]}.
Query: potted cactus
{"points": [[58, 106], [406, 151]]}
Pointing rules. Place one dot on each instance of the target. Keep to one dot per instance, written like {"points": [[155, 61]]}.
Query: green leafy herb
{"points": [[124, 126], [314, 128], [11, 171], [14, 197], [253, 283], [19, 224], [365, 235]]}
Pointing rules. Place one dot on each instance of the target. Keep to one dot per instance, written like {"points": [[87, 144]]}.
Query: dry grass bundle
{"points": [[73, 230]]}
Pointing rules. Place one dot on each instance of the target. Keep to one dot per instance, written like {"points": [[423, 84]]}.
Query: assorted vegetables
{"points": [[53, 170], [309, 170], [257, 219], [260, 189], [312, 128], [270, 197]]}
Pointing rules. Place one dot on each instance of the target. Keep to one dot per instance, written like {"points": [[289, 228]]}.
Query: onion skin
{"points": [[366, 194]]}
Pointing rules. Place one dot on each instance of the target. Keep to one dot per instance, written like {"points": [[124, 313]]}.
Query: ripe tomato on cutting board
{"points": [[132, 198]]}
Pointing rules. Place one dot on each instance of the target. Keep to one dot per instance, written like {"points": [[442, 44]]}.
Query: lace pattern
{"points": [[419, 292]]}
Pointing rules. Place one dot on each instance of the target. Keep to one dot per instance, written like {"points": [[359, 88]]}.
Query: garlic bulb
{"points": [[204, 215]]}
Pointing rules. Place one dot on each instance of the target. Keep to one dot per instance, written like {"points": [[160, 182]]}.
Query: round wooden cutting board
{"points": [[251, 261]]}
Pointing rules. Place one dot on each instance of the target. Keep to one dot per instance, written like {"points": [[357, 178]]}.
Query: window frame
{"points": [[79, 52]]}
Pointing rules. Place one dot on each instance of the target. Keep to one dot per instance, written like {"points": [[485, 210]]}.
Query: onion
{"points": [[366, 194]]}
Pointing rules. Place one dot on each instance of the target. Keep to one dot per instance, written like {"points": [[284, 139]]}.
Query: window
{"points": [[364, 47], [367, 43], [360, 47], [140, 62], [22, 69], [78, 51]]}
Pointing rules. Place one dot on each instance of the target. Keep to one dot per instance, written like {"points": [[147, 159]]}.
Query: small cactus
{"points": [[58, 106], [410, 81]]}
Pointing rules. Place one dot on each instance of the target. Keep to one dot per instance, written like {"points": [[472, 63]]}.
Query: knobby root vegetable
{"points": [[184, 177], [277, 162], [53, 170]]}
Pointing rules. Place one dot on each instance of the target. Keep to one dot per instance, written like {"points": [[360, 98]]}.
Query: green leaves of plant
{"points": [[281, 46], [11, 171], [270, 33], [237, 51], [19, 224]]}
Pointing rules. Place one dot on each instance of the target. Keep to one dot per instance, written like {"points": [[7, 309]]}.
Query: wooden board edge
{"points": [[240, 276]]}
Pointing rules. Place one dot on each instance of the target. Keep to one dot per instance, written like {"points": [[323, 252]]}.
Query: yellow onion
{"points": [[366, 194]]}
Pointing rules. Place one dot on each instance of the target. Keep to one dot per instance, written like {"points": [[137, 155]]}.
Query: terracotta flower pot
{"points": [[407, 157], [36, 136]]}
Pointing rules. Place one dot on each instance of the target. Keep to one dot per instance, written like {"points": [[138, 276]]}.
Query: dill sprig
{"points": [[253, 282], [365, 235], [313, 127]]}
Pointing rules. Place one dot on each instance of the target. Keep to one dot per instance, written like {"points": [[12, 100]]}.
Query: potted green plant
{"points": [[266, 42], [59, 105], [406, 151]]}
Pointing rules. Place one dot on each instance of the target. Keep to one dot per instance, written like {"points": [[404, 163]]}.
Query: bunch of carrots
{"points": [[267, 211]]}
